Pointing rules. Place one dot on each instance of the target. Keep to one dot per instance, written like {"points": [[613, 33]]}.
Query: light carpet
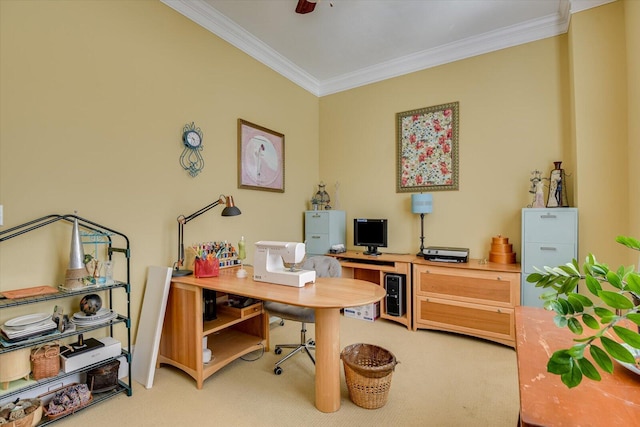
{"points": [[443, 379]]}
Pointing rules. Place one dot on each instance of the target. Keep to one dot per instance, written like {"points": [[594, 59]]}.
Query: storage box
{"points": [[112, 348], [368, 312]]}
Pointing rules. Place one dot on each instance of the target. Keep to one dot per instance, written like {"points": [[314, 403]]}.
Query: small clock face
{"points": [[192, 139]]}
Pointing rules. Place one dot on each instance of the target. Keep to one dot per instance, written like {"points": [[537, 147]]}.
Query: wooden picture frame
{"points": [[427, 149], [260, 158]]}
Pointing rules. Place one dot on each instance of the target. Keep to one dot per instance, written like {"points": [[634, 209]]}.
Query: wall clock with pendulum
{"points": [[191, 159]]}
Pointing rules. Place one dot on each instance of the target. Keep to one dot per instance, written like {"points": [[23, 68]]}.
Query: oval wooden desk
{"points": [[327, 296]]}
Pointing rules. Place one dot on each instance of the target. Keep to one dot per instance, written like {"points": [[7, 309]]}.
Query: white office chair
{"points": [[325, 267]]}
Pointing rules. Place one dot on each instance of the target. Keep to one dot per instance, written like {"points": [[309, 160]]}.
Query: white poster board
{"points": [[145, 352]]}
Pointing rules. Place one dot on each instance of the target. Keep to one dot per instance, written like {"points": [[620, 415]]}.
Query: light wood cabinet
{"points": [[471, 298], [234, 333], [374, 269]]}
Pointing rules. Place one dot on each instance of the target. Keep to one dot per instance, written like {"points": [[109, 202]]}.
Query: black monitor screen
{"points": [[371, 233]]}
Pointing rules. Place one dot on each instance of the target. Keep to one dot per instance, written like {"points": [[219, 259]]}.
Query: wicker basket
{"points": [[45, 361], [104, 378], [368, 370], [29, 420]]}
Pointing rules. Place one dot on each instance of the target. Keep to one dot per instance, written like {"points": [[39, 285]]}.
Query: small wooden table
{"points": [[181, 341], [546, 401]]}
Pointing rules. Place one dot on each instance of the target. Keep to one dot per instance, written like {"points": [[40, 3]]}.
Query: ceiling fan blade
{"points": [[305, 6]]}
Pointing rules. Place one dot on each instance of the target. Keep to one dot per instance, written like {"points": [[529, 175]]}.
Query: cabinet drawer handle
{"points": [[499, 278], [315, 237], [547, 248], [499, 311], [548, 216], [316, 215]]}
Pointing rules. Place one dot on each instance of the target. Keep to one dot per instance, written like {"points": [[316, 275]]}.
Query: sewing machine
{"points": [[269, 259]]}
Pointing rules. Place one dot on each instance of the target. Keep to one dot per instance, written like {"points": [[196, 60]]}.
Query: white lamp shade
{"points": [[421, 203]]}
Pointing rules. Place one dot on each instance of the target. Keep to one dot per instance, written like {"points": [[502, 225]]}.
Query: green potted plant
{"points": [[607, 311]]}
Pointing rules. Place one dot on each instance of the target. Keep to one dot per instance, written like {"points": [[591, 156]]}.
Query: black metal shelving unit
{"points": [[94, 234]]}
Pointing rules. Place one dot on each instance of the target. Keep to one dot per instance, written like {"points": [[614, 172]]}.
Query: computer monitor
{"points": [[371, 233]]}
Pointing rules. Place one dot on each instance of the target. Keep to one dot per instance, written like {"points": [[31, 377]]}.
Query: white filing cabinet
{"points": [[323, 229], [549, 238]]}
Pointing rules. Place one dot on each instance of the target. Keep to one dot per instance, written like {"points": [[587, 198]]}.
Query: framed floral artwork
{"points": [[427, 151], [260, 158]]}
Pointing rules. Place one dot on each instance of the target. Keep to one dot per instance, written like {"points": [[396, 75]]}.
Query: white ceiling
{"points": [[344, 44]]}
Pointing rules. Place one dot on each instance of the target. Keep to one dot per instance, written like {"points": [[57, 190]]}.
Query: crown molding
{"points": [[206, 16], [548, 26]]}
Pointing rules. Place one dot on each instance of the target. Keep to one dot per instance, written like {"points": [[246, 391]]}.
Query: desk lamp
{"points": [[229, 210], [422, 204]]}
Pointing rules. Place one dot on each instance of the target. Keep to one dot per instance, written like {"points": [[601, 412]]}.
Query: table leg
{"points": [[327, 359]]}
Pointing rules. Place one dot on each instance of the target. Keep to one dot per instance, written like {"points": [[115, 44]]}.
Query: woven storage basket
{"points": [[103, 378], [368, 370], [45, 361]]}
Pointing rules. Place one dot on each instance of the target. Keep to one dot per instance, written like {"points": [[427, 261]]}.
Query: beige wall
{"points": [[632, 17], [513, 120], [599, 79], [564, 98], [94, 96]]}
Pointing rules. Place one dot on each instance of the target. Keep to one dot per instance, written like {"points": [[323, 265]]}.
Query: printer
{"points": [[445, 254]]}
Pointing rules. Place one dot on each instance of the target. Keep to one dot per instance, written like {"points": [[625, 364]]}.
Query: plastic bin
{"points": [[368, 370]]}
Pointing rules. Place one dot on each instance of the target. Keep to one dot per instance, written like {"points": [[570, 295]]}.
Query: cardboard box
{"points": [[112, 348], [368, 312]]}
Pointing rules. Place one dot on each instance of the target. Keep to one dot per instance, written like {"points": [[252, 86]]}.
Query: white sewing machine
{"points": [[269, 259]]}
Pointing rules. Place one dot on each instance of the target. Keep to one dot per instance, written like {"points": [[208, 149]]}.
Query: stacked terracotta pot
{"points": [[502, 251]]}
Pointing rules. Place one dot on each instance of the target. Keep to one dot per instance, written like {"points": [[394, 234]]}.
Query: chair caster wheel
{"points": [[277, 350], [277, 370], [281, 322], [312, 342]]}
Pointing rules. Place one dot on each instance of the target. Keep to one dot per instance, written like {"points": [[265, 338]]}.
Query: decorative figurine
{"points": [[537, 189], [557, 188], [321, 197]]}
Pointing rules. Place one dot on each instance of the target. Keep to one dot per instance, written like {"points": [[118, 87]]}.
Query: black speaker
{"points": [[394, 301], [209, 297]]}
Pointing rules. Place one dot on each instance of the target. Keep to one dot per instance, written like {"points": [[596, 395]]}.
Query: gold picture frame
{"points": [[260, 158], [427, 149]]}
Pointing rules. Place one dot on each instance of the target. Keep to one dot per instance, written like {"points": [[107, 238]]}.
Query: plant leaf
{"points": [[634, 317], [560, 362], [590, 321], [534, 277], [583, 299], [593, 285], [576, 303], [588, 370], [560, 321], [573, 377], [614, 280], [629, 242], [628, 336], [574, 326], [603, 312], [617, 350], [633, 283], [601, 358], [615, 300], [566, 307], [569, 285]]}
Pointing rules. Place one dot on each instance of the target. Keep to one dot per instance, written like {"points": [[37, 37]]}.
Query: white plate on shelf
{"points": [[29, 319], [636, 353], [100, 313], [88, 321]]}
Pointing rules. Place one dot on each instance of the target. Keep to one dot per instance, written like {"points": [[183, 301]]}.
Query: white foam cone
{"points": [[76, 256]]}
